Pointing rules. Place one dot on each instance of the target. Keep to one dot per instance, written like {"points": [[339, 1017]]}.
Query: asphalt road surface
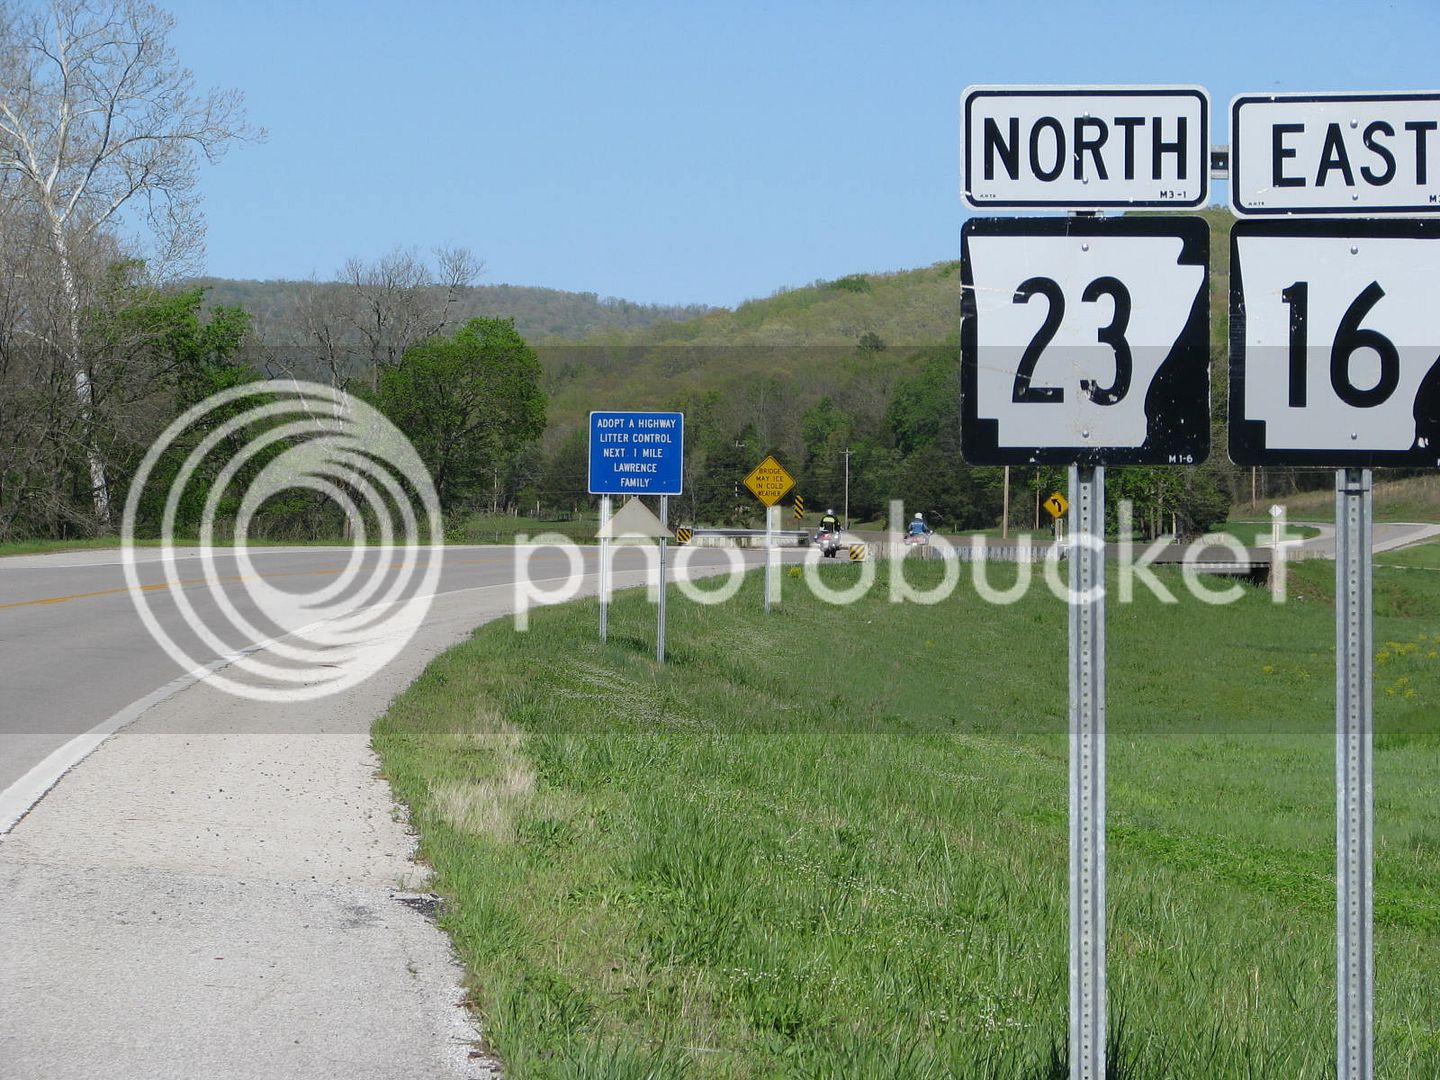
{"points": [[74, 652]]}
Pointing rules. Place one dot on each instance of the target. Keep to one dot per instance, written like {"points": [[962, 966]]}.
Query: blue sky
{"points": [[690, 152]]}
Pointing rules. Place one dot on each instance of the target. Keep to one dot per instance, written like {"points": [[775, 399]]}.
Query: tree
{"points": [[564, 480], [715, 491], [365, 321], [400, 298], [97, 116], [468, 402], [928, 403], [166, 357], [826, 430]]}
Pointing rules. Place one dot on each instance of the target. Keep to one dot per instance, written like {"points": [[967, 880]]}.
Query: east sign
{"points": [[1335, 154]]}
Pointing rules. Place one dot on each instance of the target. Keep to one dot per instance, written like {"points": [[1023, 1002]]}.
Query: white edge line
{"points": [[20, 797]]}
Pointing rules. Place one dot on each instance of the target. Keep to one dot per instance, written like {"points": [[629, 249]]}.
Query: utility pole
{"points": [[847, 452]]}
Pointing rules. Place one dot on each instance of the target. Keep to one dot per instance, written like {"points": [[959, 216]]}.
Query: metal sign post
{"points": [[769, 552], [1087, 773], [660, 604], [634, 453], [769, 482], [604, 568], [1355, 292], [1354, 779], [1065, 313]]}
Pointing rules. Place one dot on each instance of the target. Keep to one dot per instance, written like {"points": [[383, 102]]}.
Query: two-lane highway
{"points": [[74, 652]]}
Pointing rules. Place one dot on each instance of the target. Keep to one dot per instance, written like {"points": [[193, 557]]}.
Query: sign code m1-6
{"points": [[1085, 341], [1335, 343]]}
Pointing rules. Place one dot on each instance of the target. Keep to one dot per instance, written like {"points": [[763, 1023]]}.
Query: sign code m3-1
{"points": [[1085, 147]]}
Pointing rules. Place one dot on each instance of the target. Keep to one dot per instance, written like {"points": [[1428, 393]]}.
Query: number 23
{"points": [[1113, 335]]}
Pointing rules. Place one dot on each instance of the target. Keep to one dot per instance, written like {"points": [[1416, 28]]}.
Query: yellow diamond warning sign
{"points": [[769, 481], [1056, 505]]}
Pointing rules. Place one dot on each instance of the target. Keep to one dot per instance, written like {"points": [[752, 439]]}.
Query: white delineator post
{"points": [[1354, 777], [604, 577], [1087, 773]]}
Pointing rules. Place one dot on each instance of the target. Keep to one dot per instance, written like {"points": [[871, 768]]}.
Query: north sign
{"points": [[1084, 147]]}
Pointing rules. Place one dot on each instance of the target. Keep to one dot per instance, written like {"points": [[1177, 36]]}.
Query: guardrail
{"points": [[747, 537]]}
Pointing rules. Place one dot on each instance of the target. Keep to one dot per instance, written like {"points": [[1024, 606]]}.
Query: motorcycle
{"points": [[828, 541]]}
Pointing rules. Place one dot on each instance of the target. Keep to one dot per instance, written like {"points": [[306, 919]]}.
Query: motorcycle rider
{"points": [[829, 522], [919, 527]]}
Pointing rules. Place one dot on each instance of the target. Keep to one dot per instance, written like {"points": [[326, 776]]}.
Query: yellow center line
{"points": [[189, 582]]}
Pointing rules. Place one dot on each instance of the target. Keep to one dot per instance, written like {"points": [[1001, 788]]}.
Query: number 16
{"points": [[1349, 339]]}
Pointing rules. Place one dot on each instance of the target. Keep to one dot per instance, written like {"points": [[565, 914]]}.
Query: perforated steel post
{"points": [[1354, 778], [604, 578], [1087, 773], [769, 553], [660, 605]]}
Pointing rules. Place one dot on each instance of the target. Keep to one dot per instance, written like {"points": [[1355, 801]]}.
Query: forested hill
{"points": [[765, 362], [852, 337], [540, 315], [911, 307], [866, 363]]}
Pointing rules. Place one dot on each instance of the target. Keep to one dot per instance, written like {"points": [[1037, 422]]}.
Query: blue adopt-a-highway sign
{"points": [[636, 453]]}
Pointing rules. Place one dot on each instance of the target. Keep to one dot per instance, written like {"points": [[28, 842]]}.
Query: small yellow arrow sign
{"points": [[1056, 505], [769, 481]]}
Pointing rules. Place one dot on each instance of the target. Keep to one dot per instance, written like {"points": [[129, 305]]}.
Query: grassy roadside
{"points": [[1414, 498], [111, 543], [831, 843], [1253, 532], [477, 529]]}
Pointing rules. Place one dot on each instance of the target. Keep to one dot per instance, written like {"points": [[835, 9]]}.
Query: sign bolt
{"points": [[1354, 435], [1085, 434], [1084, 247], [1354, 123], [1354, 249]]}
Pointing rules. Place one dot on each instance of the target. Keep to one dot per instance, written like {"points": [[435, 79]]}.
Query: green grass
{"points": [[831, 842], [109, 543], [1254, 531], [476, 529], [1420, 557], [1414, 498], [503, 528]]}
